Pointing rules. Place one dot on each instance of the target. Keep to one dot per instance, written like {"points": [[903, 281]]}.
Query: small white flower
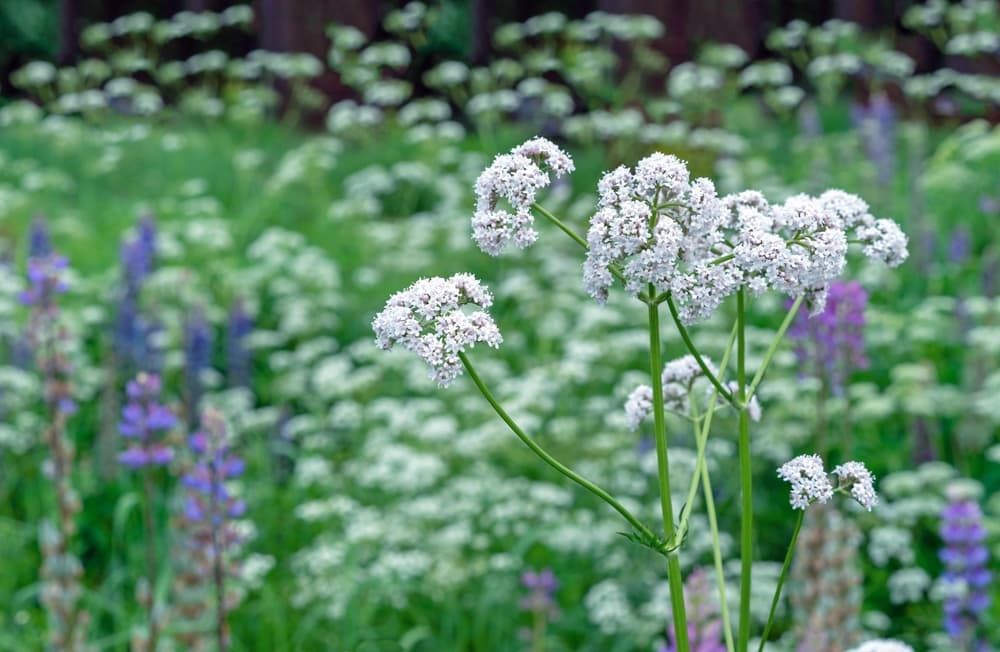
{"points": [[809, 480], [660, 228], [850, 210], [753, 407], [515, 177], [856, 478], [544, 152], [678, 378], [882, 645], [428, 318], [885, 241], [638, 406]]}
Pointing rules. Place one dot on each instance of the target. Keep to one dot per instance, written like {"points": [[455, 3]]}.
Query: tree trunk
{"points": [[300, 26], [69, 29]]}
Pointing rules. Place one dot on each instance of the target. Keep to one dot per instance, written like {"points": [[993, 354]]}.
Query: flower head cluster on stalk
{"points": [[429, 318], [515, 177], [810, 483], [670, 239], [663, 229]]}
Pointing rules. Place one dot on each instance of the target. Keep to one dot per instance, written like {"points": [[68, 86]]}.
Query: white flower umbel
{"points": [[809, 480], [855, 478], [799, 247], [430, 318], [658, 227], [516, 178]]}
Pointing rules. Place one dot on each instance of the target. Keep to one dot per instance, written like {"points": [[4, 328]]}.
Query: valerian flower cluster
{"points": [[810, 482], [676, 234], [515, 177], [428, 318]]}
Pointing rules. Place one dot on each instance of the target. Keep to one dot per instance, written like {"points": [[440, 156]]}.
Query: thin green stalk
{"points": [[701, 439], [689, 343], [551, 461], [701, 469], [720, 575], [663, 467], [562, 225], [538, 632], [149, 523], [778, 336], [746, 477], [565, 228], [781, 579]]}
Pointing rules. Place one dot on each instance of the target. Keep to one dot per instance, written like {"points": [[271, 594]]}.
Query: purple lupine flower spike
{"points": [[47, 339], [239, 360], [990, 274], [877, 124], [45, 335], [542, 585], [39, 239], [134, 332], [144, 423], [540, 603], [46, 282], [966, 575], [209, 513], [832, 343], [959, 245], [198, 342]]}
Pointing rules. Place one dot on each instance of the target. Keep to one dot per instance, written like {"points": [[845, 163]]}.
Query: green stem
{"points": [[722, 259], [689, 343], [548, 459], [778, 336], [663, 467], [781, 579], [746, 478], [701, 439], [720, 575], [538, 632], [565, 228], [149, 524], [562, 225]]}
